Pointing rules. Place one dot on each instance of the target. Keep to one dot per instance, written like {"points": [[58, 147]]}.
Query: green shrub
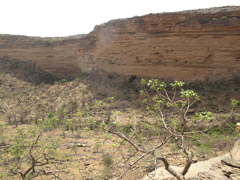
{"points": [[28, 154], [110, 76], [63, 81], [132, 78], [82, 75], [107, 160]]}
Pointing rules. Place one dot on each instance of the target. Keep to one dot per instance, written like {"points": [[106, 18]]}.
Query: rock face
{"points": [[226, 167], [183, 45]]}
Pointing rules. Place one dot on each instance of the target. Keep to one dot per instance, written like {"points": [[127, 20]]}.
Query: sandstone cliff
{"points": [[183, 45]]}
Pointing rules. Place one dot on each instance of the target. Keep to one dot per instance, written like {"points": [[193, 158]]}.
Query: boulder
{"points": [[224, 167]]}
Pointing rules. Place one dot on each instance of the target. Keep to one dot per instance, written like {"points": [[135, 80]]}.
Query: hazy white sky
{"points": [[70, 17]]}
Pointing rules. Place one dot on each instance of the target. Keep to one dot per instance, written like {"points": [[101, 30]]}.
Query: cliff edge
{"points": [[185, 45]]}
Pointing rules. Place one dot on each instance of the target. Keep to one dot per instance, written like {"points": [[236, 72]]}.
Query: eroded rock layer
{"points": [[183, 45]]}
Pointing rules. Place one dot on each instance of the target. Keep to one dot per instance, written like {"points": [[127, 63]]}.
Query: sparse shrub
{"points": [[23, 115], [63, 80], [103, 94], [69, 125], [83, 74], [97, 146], [51, 123], [28, 154], [203, 148], [224, 17], [99, 104], [2, 134], [50, 115], [134, 87], [61, 114], [107, 160], [132, 78], [146, 126], [72, 106], [110, 76]]}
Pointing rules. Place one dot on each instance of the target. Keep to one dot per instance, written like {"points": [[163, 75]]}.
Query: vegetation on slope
{"points": [[93, 127]]}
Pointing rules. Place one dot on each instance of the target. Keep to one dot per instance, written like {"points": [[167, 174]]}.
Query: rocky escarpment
{"points": [[183, 45]]}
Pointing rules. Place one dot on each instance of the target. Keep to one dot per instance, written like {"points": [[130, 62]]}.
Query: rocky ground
{"points": [[224, 167], [86, 152]]}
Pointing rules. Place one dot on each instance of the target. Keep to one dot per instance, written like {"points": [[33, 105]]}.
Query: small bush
{"points": [[63, 81], [132, 78], [110, 76], [224, 17], [82, 75], [107, 160]]}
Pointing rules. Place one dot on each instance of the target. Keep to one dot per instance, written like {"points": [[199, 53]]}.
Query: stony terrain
{"points": [[70, 107], [224, 167], [82, 148], [182, 45]]}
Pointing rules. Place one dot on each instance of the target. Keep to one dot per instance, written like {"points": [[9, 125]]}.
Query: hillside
{"points": [[73, 110], [86, 107]]}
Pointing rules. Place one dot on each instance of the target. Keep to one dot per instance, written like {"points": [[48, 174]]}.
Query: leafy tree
{"points": [[169, 105], [27, 154]]}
